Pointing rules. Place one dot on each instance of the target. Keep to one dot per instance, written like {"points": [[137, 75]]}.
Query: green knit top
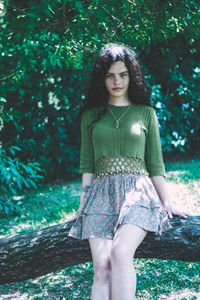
{"points": [[137, 137]]}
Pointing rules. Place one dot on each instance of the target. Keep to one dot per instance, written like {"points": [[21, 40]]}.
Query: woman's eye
{"points": [[108, 75], [123, 75]]}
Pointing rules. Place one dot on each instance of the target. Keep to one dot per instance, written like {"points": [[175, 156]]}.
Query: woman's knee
{"points": [[102, 270]]}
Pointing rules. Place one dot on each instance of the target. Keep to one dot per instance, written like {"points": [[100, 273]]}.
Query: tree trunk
{"points": [[39, 252]]}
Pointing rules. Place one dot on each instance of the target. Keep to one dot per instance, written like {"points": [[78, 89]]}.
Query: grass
{"points": [[157, 279]]}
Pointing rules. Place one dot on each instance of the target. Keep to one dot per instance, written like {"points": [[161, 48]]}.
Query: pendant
{"points": [[116, 124]]}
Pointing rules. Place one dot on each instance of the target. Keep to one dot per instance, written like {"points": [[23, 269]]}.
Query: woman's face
{"points": [[117, 79]]}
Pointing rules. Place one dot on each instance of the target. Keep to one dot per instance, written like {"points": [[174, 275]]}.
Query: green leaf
{"points": [[6, 209], [16, 148], [26, 183], [79, 6], [21, 92]]}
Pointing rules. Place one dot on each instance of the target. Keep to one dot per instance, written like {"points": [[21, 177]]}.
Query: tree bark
{"points": [[39, 252]]}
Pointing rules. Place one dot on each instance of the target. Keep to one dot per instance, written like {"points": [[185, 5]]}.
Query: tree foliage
{"points": [[15, 176], [47, 51]]}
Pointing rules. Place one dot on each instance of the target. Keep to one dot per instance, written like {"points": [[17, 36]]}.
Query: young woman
{"points": [[123, 192]]}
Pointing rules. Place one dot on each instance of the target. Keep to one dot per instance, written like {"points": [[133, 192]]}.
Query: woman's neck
{"points": [[119, 101]]}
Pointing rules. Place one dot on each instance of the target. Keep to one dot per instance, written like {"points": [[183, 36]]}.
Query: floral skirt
{"points": [[116, 199]]}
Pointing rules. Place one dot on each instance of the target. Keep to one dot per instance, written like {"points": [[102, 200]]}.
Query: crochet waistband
{"points": [[119, 164]]}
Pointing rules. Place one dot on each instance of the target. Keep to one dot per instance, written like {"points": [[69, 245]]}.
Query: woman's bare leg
{"points": [[126, 240], [101, 249]]}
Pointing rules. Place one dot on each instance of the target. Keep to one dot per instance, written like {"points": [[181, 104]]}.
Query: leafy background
{"points": [[47, 49]]}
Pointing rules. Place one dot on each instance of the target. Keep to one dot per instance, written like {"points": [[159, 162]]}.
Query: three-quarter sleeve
{"points": [[153, 151], [86, 151]]}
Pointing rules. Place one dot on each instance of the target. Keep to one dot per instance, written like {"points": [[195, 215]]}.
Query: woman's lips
{"points": [[117, 89]]}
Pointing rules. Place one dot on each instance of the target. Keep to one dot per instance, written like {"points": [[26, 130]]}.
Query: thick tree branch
{"points": [[39, 252]]}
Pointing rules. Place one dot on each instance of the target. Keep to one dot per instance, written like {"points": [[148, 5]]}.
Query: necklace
{"points": [[117, 120]]}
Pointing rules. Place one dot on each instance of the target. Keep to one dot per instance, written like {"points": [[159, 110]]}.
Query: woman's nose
{"points": [[116, 79]]}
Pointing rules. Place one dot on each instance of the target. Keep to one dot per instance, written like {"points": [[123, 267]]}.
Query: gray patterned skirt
{"points": [[116, 199]]}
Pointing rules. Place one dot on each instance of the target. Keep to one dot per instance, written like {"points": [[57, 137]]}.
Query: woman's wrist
{"points": [[85, 188], [165, 202]]}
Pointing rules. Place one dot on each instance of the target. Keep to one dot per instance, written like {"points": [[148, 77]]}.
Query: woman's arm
{"points": [[160, 186], [87, 179]]}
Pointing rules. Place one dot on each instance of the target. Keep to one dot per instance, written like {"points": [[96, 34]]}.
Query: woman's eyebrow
{"points": [[119, 73]]}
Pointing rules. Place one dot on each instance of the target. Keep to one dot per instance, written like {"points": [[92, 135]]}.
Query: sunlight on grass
{"points": [[185, 294], [47, 207], [176, 174], [15, 296], [185, 197]]}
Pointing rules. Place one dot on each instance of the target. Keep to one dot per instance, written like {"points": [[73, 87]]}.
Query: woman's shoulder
{"points": [[146, 111], [147, 114]]}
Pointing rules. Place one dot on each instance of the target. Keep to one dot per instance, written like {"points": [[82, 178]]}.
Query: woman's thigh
{"points": [[126, 240]]}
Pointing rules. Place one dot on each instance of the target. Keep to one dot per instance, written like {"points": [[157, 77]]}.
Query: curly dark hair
{"points": [[97, 94]]}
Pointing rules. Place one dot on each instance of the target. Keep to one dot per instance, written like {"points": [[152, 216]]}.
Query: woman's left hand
{"points": [[172, 211]]}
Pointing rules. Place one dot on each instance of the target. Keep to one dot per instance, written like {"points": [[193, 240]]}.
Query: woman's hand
{"points": [[172, 211]]}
